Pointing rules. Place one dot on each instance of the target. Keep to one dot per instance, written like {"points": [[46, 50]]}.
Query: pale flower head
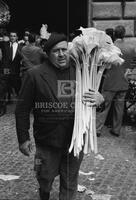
{"points": [[91, 38]]}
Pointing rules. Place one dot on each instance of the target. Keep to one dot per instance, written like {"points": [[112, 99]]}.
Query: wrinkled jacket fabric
{"points": [[115, 76], [39, 92]]}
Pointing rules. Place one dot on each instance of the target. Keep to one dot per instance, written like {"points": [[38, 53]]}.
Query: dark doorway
{"points": [[62, 15]]}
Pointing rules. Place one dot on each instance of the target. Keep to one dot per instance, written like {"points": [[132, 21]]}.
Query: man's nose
{"points": [[61, 53]]}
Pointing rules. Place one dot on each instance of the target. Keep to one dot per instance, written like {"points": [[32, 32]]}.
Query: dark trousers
{"points": [[118, 99], [51, 162], [14, 81]]}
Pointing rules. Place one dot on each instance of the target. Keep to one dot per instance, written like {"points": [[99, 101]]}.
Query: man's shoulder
{"points": [[23, 46], [37, 69], [38, 48], [125, 46], [126, 43], [31, 48]]}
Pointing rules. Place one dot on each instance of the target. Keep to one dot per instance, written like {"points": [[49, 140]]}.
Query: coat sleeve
{"points": [[23, 108]]}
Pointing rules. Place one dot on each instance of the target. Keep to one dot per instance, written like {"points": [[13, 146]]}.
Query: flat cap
{"points": [[53, 40]]}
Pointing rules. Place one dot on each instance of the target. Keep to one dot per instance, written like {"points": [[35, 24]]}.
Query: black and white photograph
{"points": [[68, 100]]}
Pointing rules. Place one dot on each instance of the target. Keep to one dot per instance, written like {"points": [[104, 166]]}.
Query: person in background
{"points": [[108, 121], [25, 41], [10, 66], [26, 38], [4, 36], [111, 33], [11, 57], [115, 85], [42, 43], [53, 119], [38, 41], [32, 55]]}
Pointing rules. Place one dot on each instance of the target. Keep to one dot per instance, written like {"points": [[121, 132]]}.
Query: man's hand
{"points": [[5, 38], [92, 98], [26, 148]]}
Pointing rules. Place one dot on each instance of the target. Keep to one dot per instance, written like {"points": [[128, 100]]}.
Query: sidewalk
{"points": [[114, 168]]}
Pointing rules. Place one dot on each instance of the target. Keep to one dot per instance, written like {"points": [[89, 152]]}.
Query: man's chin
{"points": [[62, 66]]}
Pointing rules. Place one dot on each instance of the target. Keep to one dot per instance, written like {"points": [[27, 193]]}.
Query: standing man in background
{"points": [[11, 57], [115, 85], [10, 67], [31, 54]]}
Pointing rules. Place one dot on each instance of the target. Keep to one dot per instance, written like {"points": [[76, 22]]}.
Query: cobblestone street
{"points": [[114, 176]]}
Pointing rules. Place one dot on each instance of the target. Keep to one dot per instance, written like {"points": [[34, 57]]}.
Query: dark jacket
{"points": [[13, 66], [52, 127], [115, 77], [32, 55]]}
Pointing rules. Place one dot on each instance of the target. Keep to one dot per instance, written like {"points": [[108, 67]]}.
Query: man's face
{"points": [[13, 37], [25, 38], [59, 55]]}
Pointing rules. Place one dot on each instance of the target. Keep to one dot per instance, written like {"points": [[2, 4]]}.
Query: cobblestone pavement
{"points": [[115, 175]]}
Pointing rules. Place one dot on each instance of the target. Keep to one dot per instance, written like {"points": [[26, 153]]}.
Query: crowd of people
{"points": [[32, 68], [17, 56]]}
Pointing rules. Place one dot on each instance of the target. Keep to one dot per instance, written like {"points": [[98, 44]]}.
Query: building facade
{"points": [[108, 14]]}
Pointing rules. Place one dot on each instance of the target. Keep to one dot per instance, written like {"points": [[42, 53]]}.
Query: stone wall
{"points": [[108, 14]]}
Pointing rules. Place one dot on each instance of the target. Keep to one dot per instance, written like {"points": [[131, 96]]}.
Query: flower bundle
{"points": [[92, 52]]}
